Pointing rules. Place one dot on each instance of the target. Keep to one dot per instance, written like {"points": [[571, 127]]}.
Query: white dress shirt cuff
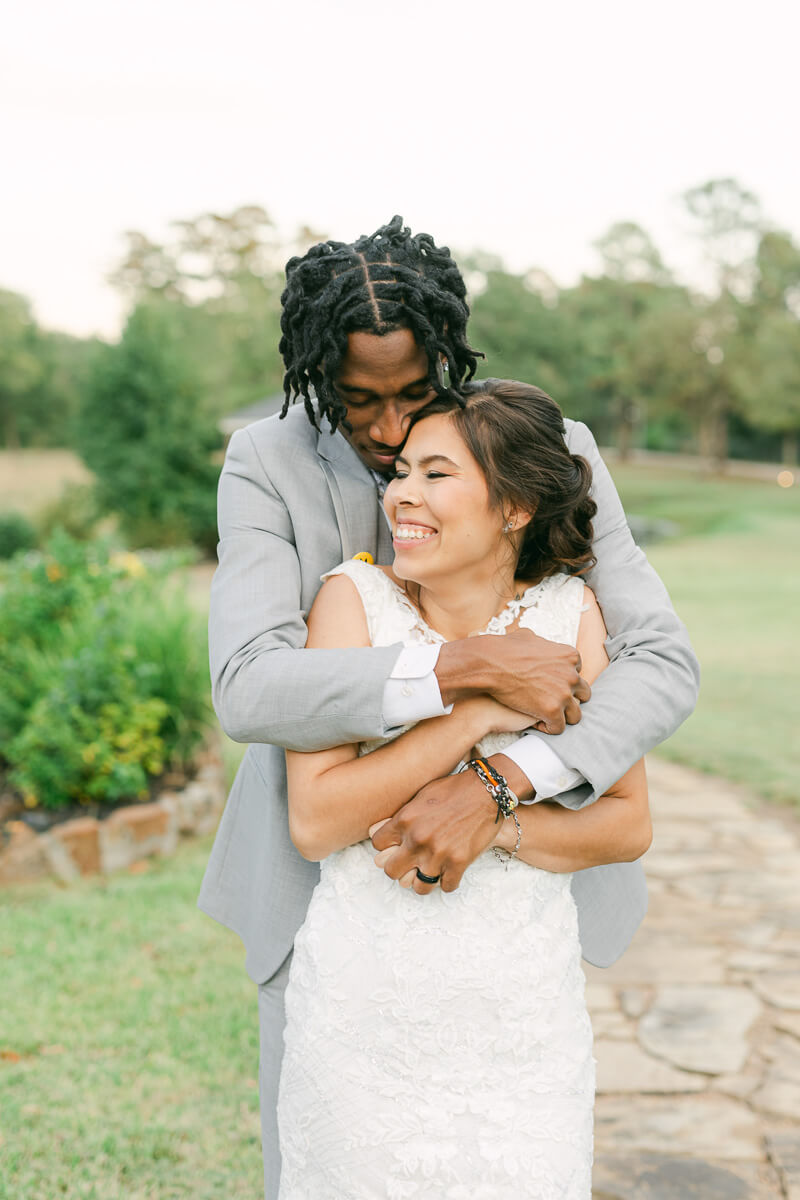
{"points": [[543, 767], [411, 693]]}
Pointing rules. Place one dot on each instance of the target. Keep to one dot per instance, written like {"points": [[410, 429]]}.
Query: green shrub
{"points": [[16, 533], [107, 676], [76, 511], [146, 435]]}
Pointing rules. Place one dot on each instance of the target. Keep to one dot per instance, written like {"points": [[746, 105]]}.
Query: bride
{"points": [[439, 1044]]}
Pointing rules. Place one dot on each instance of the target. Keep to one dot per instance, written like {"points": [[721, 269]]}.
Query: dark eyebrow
{"points": [[430, 458], [348, 387]]}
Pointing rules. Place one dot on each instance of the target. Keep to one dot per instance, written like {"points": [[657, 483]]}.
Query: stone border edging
{"points": [[88, 846]]}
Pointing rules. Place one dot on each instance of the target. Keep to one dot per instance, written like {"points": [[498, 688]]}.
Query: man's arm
{"points": [[267, 688], [650, 686]]}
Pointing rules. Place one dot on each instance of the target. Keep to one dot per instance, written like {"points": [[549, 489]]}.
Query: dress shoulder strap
{"points": [[373, 586], [553, 608], [391, 617]]}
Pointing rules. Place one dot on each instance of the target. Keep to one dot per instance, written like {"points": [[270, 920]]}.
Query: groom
{"points": [[369, 327]]}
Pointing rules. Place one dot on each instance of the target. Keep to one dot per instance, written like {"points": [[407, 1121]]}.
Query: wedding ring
{"points": [[427, 878]]}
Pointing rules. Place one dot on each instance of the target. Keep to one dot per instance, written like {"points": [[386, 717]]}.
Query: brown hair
{"points": [[515, 432]]}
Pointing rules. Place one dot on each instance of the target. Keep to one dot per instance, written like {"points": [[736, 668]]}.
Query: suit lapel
{"points": [[353, 492], [385, 547]]}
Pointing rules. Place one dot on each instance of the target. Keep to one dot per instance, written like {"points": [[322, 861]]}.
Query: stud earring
{"points": [[509, 525]]}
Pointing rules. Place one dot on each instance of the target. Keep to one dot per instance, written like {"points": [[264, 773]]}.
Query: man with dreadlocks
{"points": [[370, 332]]}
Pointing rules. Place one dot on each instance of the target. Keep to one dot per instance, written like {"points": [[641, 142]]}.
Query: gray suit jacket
{"points": [[292, 504]]}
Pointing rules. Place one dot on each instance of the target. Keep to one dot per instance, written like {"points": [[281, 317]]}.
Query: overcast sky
{"points": [[524, 129]]}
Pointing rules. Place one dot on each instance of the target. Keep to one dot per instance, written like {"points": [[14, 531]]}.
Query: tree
{"points": [[65, 363], [610, 317], [630, 256], [20, 365], [224, 274], [519, 328], [766, 373], [206, 258], [729, 222], [777, 283], [681, 363], [144, 432]]}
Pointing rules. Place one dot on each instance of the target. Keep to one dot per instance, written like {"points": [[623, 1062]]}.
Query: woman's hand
{"points": [[493, 717], [383, 856]]}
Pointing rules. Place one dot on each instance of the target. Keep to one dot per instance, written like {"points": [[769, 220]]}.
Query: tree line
{"points": [[644, 359]]}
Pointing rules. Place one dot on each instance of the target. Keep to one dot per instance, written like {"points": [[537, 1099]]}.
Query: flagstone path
{"points": [[697, 1027]]}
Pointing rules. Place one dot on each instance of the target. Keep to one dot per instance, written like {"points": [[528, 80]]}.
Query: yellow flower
{"points": [[30, 800], [130, 563], [54, 572]]}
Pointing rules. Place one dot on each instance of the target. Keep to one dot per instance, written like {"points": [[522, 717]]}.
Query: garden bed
{"points": [[66, 848], [104, 715]]}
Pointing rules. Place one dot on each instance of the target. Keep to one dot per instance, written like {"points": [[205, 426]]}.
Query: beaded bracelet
{"points": [[496, 785], [506, 800]]}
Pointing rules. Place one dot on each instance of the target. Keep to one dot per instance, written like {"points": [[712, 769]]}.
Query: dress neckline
{"points": [[496, 625]]}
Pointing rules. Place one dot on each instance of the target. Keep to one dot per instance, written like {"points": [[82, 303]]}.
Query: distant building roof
{"points": [[267, 407]]}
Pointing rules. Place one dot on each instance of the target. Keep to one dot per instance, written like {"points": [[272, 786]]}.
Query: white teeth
{"points": [[404, 533]]}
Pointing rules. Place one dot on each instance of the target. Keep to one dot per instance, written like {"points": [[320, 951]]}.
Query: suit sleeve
{"points": [[266, 687], [651, 683]]}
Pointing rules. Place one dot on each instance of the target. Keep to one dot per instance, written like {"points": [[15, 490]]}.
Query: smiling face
{"points": [[383, 380], [438, 505]]}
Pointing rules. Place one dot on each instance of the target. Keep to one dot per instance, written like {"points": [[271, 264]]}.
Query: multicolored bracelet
{"points": [[496, 785], [506, 800]]}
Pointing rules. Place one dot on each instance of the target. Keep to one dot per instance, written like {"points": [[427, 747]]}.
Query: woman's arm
{"points": [[335, 796], [617, 827]]}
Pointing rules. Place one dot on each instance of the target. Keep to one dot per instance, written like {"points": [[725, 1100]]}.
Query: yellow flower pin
{"points": [[364, 556]]}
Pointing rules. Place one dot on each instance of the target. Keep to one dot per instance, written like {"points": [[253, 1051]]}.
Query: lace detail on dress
{"points": [[383, 599], [551, 608], [439, 1045]]}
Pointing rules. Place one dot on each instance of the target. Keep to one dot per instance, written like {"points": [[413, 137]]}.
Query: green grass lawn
{"points": [[128, 1028], [734, 575], [128, 1042]]}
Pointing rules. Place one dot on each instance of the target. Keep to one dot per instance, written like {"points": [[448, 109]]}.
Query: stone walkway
{"points": [[697, 1027]]}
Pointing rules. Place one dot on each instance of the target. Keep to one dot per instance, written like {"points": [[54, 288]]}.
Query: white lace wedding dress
{"points": [[439, 1046]]}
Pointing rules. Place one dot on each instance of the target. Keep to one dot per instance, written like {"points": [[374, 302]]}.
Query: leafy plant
{"points": [[16, 533], [107, 682], [76, 511]]}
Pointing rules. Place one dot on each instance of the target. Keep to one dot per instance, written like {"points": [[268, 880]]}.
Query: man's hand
{"points": [[443, 829], [522, 671]]}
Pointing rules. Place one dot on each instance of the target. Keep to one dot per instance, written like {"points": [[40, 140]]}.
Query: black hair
{"points": [[387, 281], [515, 433]]}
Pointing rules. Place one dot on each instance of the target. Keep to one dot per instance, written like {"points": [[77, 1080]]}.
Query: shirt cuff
{"points": [[543, 767], [411, 693]]}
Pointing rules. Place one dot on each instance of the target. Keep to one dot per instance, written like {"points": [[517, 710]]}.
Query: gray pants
{"points": [[271, 1020]]}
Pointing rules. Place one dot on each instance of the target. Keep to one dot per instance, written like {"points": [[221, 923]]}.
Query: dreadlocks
{"points": [[377, 284]]}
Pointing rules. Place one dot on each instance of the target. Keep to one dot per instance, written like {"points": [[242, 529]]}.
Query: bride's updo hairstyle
{"points": [[515, 432]]}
